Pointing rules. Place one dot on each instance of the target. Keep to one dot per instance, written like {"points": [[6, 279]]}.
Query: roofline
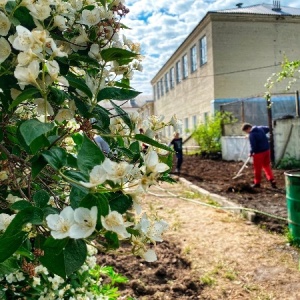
{"points": [[214, 12]]}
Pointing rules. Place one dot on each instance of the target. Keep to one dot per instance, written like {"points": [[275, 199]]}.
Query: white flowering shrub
{"points": [[59, 61]]}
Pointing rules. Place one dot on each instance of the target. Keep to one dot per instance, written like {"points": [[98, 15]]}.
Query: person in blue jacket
{"points": [[260, 152]]}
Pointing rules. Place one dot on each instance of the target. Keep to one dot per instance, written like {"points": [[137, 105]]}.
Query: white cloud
{"points": [[161, 26]]}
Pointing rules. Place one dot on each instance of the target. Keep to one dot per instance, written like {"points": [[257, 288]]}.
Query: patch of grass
{"points": [[291, 240], [211, 201], [187, 250], [207, 280], [230, 274], [191, 195]]}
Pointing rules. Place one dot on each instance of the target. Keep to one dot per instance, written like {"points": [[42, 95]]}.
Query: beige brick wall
{"points": [[238, 49], [250, 44]]}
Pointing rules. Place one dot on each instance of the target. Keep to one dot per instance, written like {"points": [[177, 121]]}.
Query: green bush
{"points": [[208, 134]]}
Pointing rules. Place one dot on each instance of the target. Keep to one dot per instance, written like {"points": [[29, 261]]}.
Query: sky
{"points": [[160, 26]]}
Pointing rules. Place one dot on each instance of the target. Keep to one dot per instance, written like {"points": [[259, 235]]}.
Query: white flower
{"points": [[64, 114], [53, 69], [116, 171], [24, 39], [60, 225], [149, 255], [10, 278], [43, 107], [114, 222], [39, 10], [5, 49], [90, 17], [86, 220], [12, 199], [97, 176], [27, 75], [95, 52], [177, 124], [3, 2], [24, 58], [20, 276], [152, 231], [5, 220], [4, 24], [3, 175], [152, 163], [60, 22]]}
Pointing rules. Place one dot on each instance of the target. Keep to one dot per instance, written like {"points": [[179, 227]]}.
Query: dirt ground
{"points": [[216, 177], [210, 253]]}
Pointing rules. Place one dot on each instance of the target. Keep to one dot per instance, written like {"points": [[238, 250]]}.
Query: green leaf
{"points": [[41, 198], [20, 205], [63, 259], [25, 95], [113, 93], [13, 236], [32, 129], [123, 114], [79, 83], [23, 15], [147, 140], [37, 165], [120, 202], [25, 252], [112, 240], [102, 117], [135, 147], [117, 54], [56, 157], [89, 156], [83, 108], [10, 244], [57, 96], [76, 196], [9, 266]]}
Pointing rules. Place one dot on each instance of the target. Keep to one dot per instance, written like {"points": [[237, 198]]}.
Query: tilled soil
{"points": [[216, 176], [208, 253]]}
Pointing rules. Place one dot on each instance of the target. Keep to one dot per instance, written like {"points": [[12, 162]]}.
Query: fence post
{"points": [[297, 103]]}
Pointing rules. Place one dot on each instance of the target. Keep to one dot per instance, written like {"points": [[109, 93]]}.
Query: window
{"points": [[205, 117], [193, 59], [172, 77], [194, 121], [169, 131], [167, 82], [161, 87], [158, 90], [203, 51], [178, 72], [186, 124], [154, 92], [185, 66]]}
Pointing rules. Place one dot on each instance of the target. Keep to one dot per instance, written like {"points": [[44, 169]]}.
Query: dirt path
{"points": [[208, 254], [233, 258]]}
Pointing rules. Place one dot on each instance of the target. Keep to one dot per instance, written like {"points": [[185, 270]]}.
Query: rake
{"points": [[239, 173]]}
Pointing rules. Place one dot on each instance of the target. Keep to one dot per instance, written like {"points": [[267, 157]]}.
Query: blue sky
{"points": [[160, 26]]}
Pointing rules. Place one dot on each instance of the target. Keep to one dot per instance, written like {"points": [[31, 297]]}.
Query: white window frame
{"points": [[193, 55], [203, 50], [185, 69], [178, 72], [172, 78]]}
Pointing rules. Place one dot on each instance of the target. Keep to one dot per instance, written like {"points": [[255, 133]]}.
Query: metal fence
{"points": [[254, 109]]}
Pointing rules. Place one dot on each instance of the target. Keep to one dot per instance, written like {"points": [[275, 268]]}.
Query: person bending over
{"points": [[260, 152]]}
